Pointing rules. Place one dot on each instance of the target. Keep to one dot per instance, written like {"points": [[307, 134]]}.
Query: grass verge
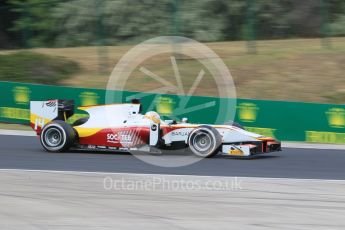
{"points": [[25, 66], [293, 70]]}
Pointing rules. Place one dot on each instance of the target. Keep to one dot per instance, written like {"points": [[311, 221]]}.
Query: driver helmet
{"points": [[153, 116]]}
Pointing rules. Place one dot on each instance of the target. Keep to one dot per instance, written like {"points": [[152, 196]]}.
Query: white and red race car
{"points": [[122, 127]]}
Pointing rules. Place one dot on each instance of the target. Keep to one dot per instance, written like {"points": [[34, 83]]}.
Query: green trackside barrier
{"points": [[16, 97], [289, 121], [293, 121]]}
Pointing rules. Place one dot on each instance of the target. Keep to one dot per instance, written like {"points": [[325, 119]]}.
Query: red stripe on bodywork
{"points": [[122, 137]]}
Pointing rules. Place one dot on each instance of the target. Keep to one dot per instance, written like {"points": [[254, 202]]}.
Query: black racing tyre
{"points": [[232, 123], [204, 141], [80, 121], [57, 136]]}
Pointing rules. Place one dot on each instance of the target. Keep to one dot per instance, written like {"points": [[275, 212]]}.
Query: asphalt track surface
{"points": [[20, 152]]}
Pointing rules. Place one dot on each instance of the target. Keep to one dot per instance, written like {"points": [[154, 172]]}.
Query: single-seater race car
{"points": [[122, 127]]}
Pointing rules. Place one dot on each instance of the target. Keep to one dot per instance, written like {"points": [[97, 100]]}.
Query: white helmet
{"points": [[153, 116]]}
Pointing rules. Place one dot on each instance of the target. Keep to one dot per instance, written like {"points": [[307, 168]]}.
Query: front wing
{"points": [[251, 148]]}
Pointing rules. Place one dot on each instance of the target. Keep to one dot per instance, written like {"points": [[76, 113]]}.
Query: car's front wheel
{"points": [[57, 136], [204, 141]]}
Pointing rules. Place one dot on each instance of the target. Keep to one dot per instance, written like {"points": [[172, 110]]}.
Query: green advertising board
{"points": [[290, 121], [15, 98], [294, 121]]}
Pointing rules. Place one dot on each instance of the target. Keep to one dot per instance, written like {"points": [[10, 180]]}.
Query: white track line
{"points": [[305, 145], [285, 144], [17, 132], [163, 175]]}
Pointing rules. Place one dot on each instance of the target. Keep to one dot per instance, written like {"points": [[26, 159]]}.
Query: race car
{"points": [[122, 127]]}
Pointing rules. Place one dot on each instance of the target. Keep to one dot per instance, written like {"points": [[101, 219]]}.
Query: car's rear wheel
{"points": [[204, 141], [57, 136]]}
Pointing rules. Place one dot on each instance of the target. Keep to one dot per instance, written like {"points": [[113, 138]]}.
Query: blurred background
{"points": [[275, 49]]}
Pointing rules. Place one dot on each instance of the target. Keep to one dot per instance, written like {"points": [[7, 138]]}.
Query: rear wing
{"points": [[42, 112]]}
